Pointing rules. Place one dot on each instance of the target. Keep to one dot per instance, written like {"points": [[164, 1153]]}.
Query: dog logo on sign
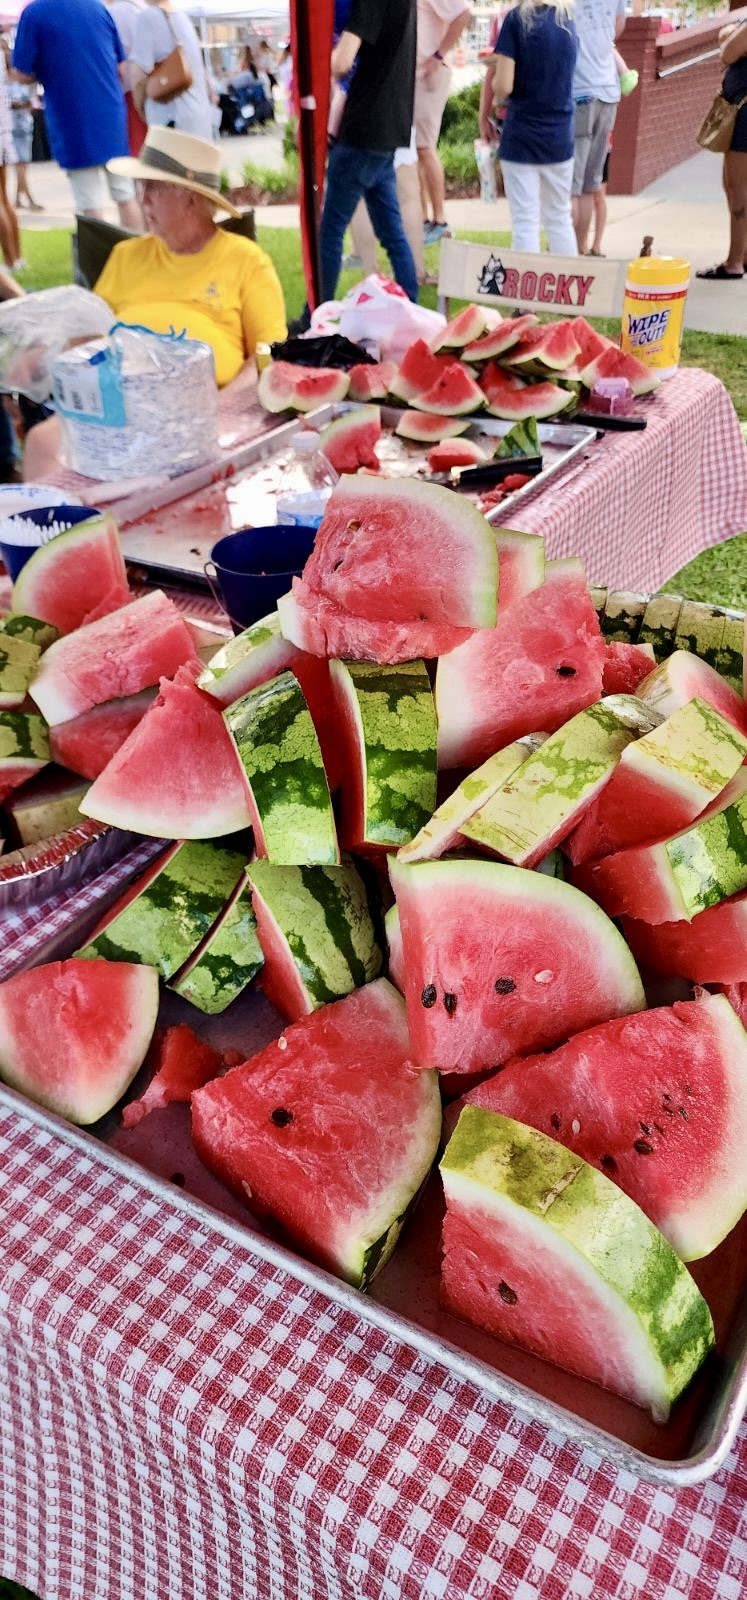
{"points": [[492, 277]]}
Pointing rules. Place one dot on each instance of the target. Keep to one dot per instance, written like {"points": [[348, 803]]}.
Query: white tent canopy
{"points": [[253, 12]]}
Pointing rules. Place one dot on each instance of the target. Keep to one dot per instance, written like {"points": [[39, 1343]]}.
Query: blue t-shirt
{"points": [[539, 118], [72, 48]]}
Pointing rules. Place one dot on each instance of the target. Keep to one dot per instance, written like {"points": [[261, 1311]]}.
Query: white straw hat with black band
{"points": [[168, 156]]}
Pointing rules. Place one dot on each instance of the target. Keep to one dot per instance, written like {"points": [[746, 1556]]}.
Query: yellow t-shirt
{"points": [[227, 294]]}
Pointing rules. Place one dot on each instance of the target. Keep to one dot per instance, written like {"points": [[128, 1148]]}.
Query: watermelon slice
{"points": [[286, 786], [523, 353], [443, 831], [316, 932], [350, 441], [226, 961], [76, 576], [590, 343], [521, 565], [366, 589], [46, 804], [658, 1102], [29, 628], [454, 453], [625, 666], [418, 371], [505, 337], [184, 1062], [546, 1253], [469, 324], [535, 400], [423, 427], [558, 348], [19, 660], [495, 381], [117, 656], [24, 749], [541, 665], [682, 677], [453, 394], [371, 380], [283, 386], [613, 363], [387, 725], [496, 957], [176, 775], [710, 949], [85, 744], [100, 1015], [329, 1131], [520, 440]]}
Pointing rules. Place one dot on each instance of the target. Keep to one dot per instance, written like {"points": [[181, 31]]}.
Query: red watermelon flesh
{"points": [[557, 348], [454, 453], [453, 394], [469, 324], [75, 578], [683, 677], [284, 386], [525, 350], [86, 743], [371, 381], [320, 627], [710, 949], [107, 660], [418, 370], [521, 565], [329, 1131], [183, 1062], [625, 666], [100, 1016], [590, 343], [350, 441], [656, 1101], [505, 337], [612, 363], [541, 665], [495, 381], [736, 994], [177, 775], [533, 400]]}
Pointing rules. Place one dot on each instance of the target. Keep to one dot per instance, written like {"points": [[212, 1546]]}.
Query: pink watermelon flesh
{"points": [[495, 382], [541, 665], [115, 657], [350, 441], [74, 578], [184, 1062], [505, 337], [422, 426], [590, 343], [613, 364], [86, 743], [466, 326], [495, 957], [558, 347], [625, 666], [371, 381], [322, 628], [710, 949], [454, 453], [100, 1016], [284, 386], [736, 994], [329, 1131], [683, 677], [656, 1101], [183, 736], [521, 566], [525, 350], [418, 370], [453, 394], [534, 400]]}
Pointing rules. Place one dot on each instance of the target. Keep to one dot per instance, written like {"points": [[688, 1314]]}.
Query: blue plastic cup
{"points": [[254, 567], [19, 540]]}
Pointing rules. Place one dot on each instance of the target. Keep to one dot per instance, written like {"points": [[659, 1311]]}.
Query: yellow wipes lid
{"points": [[658, 271]]}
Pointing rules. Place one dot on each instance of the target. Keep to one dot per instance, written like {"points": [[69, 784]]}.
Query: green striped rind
{"points": [[709, 861], [729, 658], [29, 628], [659, 624], [259, 652], [504, 1168], [226, 961], [443, 829], [18, 662], [622, 616], [277, 745], [322, 915], [24, 737], [165, 923], [396, 722], [700, 629], [695, 744], [521, 440], [523, 817]]}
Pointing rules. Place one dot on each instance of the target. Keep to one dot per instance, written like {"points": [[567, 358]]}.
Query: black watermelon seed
{"points": [[508, 1295], [566, 672], [683, 1112], [429, 996], [643, 1147], [281, 1117], [450, 1004], [555, 1121], [336, 565], [644, 1127], [179, 1179], [609, 1163], [504, 985]]}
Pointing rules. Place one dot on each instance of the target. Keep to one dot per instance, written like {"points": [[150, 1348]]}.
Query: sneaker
{"points": [[436, 231], [351, 263]]}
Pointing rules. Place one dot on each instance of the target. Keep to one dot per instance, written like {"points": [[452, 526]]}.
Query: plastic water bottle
{"points": [[308, 483]]}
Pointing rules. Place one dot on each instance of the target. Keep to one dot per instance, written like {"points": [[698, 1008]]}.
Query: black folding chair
{"points": [[94, 241]]}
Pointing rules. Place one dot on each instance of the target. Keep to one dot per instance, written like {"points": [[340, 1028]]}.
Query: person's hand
{"points": [[432, 71], [487, 131]]}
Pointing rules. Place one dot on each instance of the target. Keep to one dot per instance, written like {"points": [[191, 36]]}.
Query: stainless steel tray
{"points": [[177, 537], [403, 1301]]}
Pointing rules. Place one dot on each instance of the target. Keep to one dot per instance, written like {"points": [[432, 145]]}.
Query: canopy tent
{"points": [[253, 12]]}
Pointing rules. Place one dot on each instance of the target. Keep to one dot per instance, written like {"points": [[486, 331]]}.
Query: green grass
{"points": [[13, 1591]]}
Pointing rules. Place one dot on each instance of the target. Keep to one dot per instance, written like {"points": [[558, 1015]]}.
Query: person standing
{"points": [[596, 94], [125, 14], [440, 24], [10, 238], [22, 118], [158, 31], [73, 49], [535, 56], [733, 51]]}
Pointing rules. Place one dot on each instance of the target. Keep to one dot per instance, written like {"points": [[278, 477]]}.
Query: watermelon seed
{"points": [[644, 1127], [336, 565], [450, 1004], [281, 1117], [546, 976], [555, 1121], [353, 525], [575, 1125], [504, 985], [609, 1163], [178, 1178], [566, 672], [643, 1147], [509, 1296], [429, 996], [683, 1112]]}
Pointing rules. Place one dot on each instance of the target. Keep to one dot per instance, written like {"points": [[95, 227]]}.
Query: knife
{"points": [[489, 473], [603, 419]]}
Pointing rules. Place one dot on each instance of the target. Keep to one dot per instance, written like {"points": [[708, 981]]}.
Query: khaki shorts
{"points": [[429, 108], [93, 186], [593, 125]]}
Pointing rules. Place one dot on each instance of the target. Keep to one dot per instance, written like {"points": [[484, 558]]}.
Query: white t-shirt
{"points": [[596, 73], [156, 35]]}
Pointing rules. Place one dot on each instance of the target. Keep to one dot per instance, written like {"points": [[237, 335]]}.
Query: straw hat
{"points": [[168, 156]]}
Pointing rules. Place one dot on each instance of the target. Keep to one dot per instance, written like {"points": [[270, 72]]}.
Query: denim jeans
{"points": [[354, 174]]}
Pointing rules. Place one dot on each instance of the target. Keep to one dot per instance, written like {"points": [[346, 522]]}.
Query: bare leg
{"points": [[10, 239], [735, 174], [130, 215], [583, 206], [424, 203], [408, 193], [599, 198], [433, 179]]}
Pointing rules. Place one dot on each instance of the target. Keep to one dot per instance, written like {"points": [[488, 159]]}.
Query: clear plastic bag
{"points": [[377, 314], [488, 171], [34, 330]]}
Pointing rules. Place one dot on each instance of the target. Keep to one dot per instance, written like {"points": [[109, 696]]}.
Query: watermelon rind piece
{"points": [[545, 1252], [24, 748], [227, 959], [32, 629], [44, 805], [521, 440], [74, 575], [395, 957], [659, 623], [453, 394], [251, 657], [658, 1102], [500, 339], [285, 386], [289, 800], [100, 1017], [370, 381], [329, 1130], [444, 830], [468, 325], [425, 427], [700, 628], [683, 676], [389, 718], [496, 957], [117, 655], [622, 616], [162, 919], [535, 400], [18, 662], [349, 442], [730, 659], [317, 934]]}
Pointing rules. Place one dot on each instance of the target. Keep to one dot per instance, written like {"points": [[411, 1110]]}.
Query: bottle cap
{"points": [[305, 443]]}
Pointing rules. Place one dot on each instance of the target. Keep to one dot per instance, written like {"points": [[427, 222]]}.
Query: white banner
{"points": [[568, 285]]}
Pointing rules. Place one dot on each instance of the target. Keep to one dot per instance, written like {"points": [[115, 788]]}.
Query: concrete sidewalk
{"points": [[685, 211]]}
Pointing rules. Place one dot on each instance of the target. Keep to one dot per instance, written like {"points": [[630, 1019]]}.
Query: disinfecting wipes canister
{"points": [[653, 311]]}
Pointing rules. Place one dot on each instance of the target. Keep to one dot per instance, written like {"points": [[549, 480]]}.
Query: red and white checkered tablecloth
{"points": [[644, 504], [181, 1420]]}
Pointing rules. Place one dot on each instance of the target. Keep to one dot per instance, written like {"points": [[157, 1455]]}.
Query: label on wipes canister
{"points": [[653, 312]]}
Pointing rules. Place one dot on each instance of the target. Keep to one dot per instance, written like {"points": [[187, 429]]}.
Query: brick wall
{"points": [[657, 124]]}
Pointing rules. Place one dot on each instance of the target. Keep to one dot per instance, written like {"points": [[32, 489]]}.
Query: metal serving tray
{"points": [[177, 537], [403, 1301]]}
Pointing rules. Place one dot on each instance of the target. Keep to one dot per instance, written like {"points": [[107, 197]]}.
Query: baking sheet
{"points": [[176, 538], [403, 1300]]}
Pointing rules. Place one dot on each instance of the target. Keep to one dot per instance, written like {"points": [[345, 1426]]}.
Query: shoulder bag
{"points": [[717, 130], [172, 76]]}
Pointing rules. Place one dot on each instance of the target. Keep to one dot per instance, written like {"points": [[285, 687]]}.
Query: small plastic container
{"points": [[654, 311], [255, 566], [613, 396], [307, 485], [23, 533]]}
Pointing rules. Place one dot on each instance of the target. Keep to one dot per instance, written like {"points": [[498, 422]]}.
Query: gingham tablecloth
{"points": [[180, 1420], [644, 504]]}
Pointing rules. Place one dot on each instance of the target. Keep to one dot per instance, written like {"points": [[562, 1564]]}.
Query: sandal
{"points": [[721, 273]]}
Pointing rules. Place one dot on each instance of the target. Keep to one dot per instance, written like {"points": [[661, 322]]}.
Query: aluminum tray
{"points": [[177, 537], [403, 1301], [63, 863]]}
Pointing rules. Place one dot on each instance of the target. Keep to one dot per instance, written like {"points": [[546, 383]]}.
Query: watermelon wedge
{"points": [[423, 427], [371, 380], [558, 349], [523, 353], [625, 666], [495, 956], [544, 1252], [535, 400], [521, 565], [116, 656], [418, 371], [387, 724], [226, 961], [684, 676], [443, 831], [75, 577], [19, 660], [710, 949], [31, 629], [465, 327], [182, 737], [495, 381], [656, 1101], [453, 394], [183, 1063], [24, 749], [350, 441], [329, 1131], [286, 786], [316, 932], [454, 453], [285, 386], [85, 744], [505, 337], [101, 1016], [613, 363], [590, 343]]}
